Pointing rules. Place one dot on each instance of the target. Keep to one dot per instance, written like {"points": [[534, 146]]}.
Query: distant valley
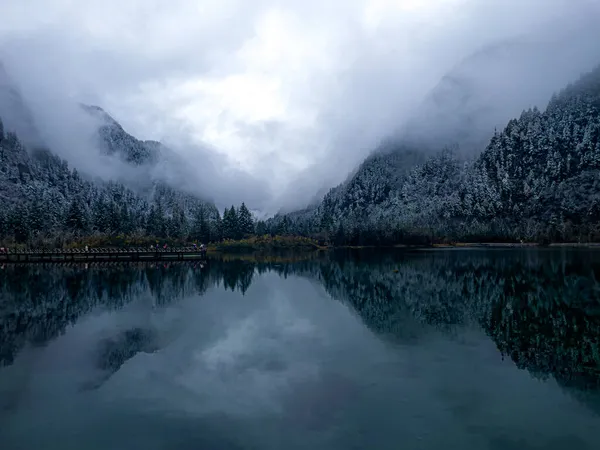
{"points": [[532, 180]]}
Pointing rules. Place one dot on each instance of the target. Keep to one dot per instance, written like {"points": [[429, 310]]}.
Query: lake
{"points": [[442, 349]]}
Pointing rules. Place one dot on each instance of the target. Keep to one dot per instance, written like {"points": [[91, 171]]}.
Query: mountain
{"points": [[536, 180], [112, 139], [484, 90], [92, 141], [475, 97], [150, 166], [46, 202]]}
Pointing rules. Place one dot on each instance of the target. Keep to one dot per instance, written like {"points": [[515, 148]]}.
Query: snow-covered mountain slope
{"points": [[93, 142], [482, 92], [113, 140], [479, 94], [83, 173], [536, 178]]}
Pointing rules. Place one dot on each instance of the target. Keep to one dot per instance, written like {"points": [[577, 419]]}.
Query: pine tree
{"points": [[156, 223], [200, 226], [182, 222], [20, 223], [284, 226], [216, 228], [127, 221], [261, 228], [339, 238], [76, 219], [38, 216], [152, 222], [230, 224], [114, 218], [245, 222], [178, 223], [3, 222]]}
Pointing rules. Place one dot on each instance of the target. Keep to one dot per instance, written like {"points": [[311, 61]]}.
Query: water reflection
{"points": [[541, 310]]}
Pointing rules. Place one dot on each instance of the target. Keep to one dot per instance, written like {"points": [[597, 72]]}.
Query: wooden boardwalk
{"points": [[103, 254]]}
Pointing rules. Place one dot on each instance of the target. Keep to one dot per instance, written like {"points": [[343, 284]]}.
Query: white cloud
{"points": [[293, 94]]}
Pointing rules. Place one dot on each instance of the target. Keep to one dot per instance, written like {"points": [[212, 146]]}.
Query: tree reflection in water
{"points": [[540, 307]]}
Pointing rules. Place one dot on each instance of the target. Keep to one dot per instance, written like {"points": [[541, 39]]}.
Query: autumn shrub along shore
{"points": [[251, 243], [268, 242]]}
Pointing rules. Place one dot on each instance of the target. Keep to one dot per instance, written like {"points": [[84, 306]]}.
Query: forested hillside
{"points": [[113, 140], [522, 301], [537, 180], [44, 202]]}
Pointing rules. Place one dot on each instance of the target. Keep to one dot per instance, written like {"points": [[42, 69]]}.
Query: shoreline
{"points": [[518, 245], [298, 244], [233, 249], [469, 245]]}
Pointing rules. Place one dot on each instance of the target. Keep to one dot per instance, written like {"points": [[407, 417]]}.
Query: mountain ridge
{"points": [[44, 199], [535, 180]]}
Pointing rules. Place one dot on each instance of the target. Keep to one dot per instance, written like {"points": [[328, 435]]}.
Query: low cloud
{"points": [[270, 101]]}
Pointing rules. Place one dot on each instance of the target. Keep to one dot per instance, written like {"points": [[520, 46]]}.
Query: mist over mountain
{"points": [[535, 180], [100, 147], [403, 190], [476, 95], [486, 89], [95, 143], [293, 97], [267, 118], [17, 117], [45, 200]]}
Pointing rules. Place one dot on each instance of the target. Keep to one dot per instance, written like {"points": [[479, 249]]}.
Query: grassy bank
{"points": [[486, 245], [251, 244], [265, 243], [261, 244], [122, 241]]}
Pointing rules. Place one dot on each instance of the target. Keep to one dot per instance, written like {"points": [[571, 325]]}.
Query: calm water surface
{"points": [[457, 349]]}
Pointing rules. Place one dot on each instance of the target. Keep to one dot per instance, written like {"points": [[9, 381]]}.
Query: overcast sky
{"points": [[284, 97]]}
